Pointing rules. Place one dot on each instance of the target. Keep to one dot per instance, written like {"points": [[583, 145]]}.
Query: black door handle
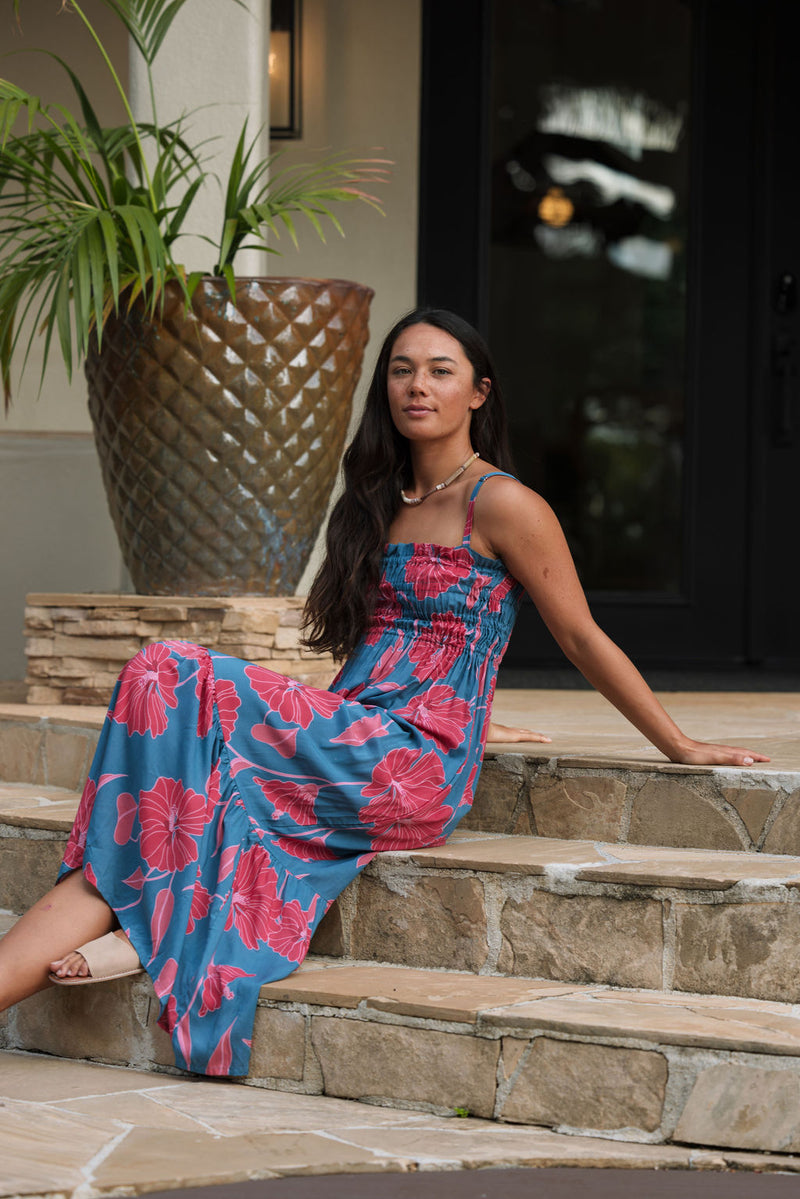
{"points": [[784, 363], [784, 388]]}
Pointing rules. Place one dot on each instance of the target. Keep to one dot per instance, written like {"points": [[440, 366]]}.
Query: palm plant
{"points": [[89, 215]]}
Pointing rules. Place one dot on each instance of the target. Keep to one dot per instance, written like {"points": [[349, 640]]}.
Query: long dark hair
{"points": [[376, 465]]}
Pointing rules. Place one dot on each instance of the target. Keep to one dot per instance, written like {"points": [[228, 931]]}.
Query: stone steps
{"points": [[633, 1065], [78, 1129], [579, 911], [606, 947], [532, 791], [48, 746], [34, 823], [575, 910], [637, 1065], [636, 802]]}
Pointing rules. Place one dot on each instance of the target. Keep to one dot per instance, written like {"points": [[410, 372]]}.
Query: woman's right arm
{"points": [[518, 526]]}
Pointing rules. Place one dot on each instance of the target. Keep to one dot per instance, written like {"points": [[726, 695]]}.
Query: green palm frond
{"points": [[90, 213], [260, 201], [148, 21], [77, 226]]}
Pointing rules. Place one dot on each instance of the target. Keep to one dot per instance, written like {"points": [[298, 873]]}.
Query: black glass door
{"points": [[774, 564], [589, 240], [606, 204]]}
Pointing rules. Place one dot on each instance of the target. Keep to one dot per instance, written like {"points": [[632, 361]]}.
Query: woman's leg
{"points": [[68, 915]]}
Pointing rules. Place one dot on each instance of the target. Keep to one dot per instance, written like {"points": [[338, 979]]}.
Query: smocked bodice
{"points": [[439, 630]]}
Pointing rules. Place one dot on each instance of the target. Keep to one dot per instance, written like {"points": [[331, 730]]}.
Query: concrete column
{"points": [[214, 65]]}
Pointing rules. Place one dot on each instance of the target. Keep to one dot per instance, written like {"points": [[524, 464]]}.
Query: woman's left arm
{"points": [[521, 528]]}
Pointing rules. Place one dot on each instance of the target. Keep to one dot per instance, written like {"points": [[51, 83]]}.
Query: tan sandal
{"points": [[107, 957]]}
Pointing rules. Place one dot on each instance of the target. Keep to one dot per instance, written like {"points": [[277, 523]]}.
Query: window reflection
{"points": [[587, 270], [632, 122]]}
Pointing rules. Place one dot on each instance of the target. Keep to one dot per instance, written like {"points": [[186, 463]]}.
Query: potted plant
{"points": [[220, 405]]}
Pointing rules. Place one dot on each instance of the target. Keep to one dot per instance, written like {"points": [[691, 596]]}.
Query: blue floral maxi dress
{"points": [[227, 806]]}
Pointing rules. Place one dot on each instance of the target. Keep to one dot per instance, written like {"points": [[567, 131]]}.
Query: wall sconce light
{"points": [[284, 69]]}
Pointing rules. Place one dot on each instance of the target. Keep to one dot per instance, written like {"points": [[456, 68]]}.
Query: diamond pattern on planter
{"points": [[220, 430]]}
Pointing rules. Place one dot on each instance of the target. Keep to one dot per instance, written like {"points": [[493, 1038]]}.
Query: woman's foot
{"points": [[71, 911], [107, 957]]}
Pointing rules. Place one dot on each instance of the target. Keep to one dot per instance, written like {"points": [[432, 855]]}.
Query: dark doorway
{"points": [[609, 190]]}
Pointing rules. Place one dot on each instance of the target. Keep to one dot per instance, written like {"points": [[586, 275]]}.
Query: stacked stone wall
{"points": [[76, 645]]}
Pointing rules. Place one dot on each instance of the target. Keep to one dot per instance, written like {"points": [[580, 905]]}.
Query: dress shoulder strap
{"points": [[474, 496]]}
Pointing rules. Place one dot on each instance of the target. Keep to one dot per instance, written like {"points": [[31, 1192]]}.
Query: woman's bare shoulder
{"points": [[504, 497], [511, 516]]}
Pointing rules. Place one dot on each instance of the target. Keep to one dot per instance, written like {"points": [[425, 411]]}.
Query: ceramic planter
{"points": [[220, 430]]}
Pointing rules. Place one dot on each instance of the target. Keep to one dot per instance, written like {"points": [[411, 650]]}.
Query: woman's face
{"points": [[431, 385]]}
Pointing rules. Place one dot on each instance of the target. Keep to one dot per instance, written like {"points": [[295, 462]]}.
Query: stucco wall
{"points": [[55, 532], [361, 78], [361, 94]]}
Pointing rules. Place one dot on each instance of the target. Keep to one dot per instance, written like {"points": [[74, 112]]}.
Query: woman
{"points": [[228, 806]]}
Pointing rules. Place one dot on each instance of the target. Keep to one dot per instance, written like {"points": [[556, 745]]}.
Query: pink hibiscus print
{"points": [[147, 689], [430, 575], [126, 817], [255, 905], [221, 1058], [387, 610], [405, 797], [366, 728], [186, 649], [422, 828], [171, 816], [161, 918], [436, 652], [213, 791], [440, 712], [499, 593], [283, 740], [169, 1017], [166, 978], [478, 584], [216, 988], [169, 1021], [73, 854], [307, 851], [291, 935], [389, 660], [291, 799], [208, 690], [296, 703], [469, 791], [228, 704], [201, 902]]}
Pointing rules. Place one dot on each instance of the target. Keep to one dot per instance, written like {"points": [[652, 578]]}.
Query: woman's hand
{"points": [[506, 735], [516, 525], [703, 753]]}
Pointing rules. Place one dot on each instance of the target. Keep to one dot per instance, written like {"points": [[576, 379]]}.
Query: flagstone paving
{"points": [[81, 1130]]}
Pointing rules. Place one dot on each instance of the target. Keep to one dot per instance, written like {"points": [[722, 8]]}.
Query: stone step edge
{"points": [[560, 863], [494, 1004], [465, 1143], [525, 791], [554, 863], [89, 718], [638, 802]]}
